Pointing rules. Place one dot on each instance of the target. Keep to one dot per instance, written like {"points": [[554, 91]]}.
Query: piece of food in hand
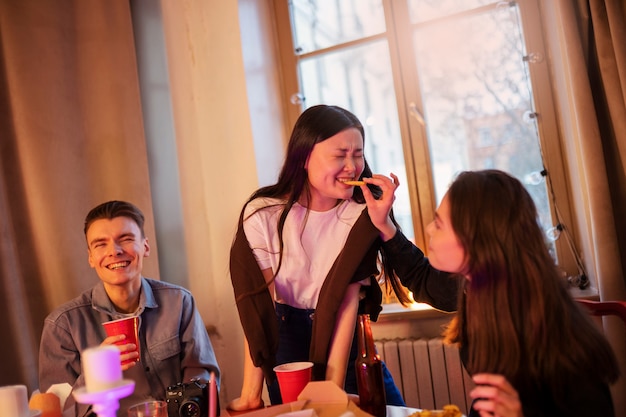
{"points": [[354, 182]]}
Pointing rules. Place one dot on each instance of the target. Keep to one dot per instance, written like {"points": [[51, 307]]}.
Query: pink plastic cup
{"points": [[128, 326], [292, 378]]}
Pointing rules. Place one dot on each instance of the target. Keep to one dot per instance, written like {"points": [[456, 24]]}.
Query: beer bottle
{"points": [[369, 371]]}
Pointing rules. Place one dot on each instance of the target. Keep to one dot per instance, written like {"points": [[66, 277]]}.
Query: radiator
{"points": [[428, 373]]}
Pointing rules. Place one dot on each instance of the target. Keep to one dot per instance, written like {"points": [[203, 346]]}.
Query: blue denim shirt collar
{"points": [[100, 301]]}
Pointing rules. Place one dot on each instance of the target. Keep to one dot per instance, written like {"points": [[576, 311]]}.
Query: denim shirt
{"points": [[175, 346]]}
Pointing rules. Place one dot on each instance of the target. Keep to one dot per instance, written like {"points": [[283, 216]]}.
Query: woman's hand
{"points": [[379, 210], [240, 404], [128, 352], [354, 398], [252, 388], [495, 397]]}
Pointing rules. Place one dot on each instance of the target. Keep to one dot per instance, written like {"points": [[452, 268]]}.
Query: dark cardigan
{"points": [[356, 261]]}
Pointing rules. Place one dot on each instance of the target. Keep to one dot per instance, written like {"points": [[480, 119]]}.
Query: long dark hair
{"points": [[316, 124], [516, 316]]}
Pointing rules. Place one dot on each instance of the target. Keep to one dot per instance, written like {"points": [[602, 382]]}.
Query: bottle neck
{"points": [[365, 338]]}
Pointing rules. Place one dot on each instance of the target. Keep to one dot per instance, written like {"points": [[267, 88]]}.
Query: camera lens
{"points": [[189, 409]]}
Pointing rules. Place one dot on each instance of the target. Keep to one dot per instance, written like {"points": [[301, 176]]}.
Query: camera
{"points": [[189, 399]]}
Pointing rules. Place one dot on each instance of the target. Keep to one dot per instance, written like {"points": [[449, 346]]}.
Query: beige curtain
{"points": [[71, 137], [587, 44], [607, 57], [606, 60], [588, 61]]}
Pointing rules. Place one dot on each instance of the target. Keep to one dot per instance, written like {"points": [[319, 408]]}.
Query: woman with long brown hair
{"points": [[531, 349]]}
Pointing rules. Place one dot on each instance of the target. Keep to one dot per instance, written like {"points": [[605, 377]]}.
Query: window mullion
{"points": [[288, 61], [413, 131]]}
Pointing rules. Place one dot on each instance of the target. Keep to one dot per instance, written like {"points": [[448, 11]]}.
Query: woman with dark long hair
{"points": [[531, 349], [305, 259]]}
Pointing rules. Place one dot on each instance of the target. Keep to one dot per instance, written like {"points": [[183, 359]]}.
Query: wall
{"points": [[207, 84], [160, 138], [216, 162]]}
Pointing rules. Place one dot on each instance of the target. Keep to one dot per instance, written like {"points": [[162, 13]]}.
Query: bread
{"points": [[48, 403]]}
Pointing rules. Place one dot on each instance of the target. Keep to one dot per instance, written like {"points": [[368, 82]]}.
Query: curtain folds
{"points": [[589, 88], [590, 85], [71, 137], [607, 78]]}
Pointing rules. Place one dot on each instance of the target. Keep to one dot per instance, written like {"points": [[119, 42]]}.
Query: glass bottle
{"points": [[369, 371]]}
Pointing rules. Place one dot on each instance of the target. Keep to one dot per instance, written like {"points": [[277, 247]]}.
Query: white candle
{"points": [[101, 368], [14, 401]]}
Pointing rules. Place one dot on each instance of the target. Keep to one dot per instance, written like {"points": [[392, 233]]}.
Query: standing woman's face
{"points": [[331, 163], [445, 251]]}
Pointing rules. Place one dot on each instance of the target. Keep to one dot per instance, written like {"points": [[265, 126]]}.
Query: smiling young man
{"points": [[174, 344]]}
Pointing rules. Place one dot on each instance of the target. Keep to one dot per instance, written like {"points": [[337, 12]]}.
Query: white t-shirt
{"points": [[311, 245]]}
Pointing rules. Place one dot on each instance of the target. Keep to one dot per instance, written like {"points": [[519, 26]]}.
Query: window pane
{"points": [[319, 24], [422, 10], [477, 100], [360, 80]]}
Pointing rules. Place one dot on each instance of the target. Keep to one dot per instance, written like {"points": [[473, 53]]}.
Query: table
{"points": [[395, 411], [392, 411]]}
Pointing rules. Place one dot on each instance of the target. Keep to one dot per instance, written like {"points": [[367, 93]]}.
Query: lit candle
{"points": [[101, 368], [14, 401]]}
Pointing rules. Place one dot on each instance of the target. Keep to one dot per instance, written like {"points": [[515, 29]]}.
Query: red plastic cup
{"points": [[292, 378], [128, 326]]}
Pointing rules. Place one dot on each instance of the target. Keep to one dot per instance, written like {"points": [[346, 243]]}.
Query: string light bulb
{"points": [[554, 233], [530, 116], [533, 57], [535, 177], [297, 98]]}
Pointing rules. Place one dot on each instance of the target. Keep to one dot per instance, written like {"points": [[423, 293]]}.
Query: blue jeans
{"points": [[295, 328]]}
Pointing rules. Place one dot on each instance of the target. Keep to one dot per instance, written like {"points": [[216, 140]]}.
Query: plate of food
{"points": [[449, 410]]}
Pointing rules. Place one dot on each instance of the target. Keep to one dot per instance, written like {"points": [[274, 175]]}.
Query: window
{"points": [[441, 86], [485, 139]]}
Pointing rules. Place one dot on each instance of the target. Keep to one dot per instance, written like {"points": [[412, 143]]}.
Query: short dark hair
{"points": [[113, 209]]}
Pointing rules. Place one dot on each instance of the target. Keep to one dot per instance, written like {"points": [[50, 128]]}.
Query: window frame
{"points": [[412, 126]]}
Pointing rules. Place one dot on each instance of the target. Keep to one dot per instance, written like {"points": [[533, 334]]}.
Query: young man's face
{"points": [[116, 250]]}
